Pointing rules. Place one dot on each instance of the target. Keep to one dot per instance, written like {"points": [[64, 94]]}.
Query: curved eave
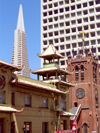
{"points": [[5, 109], [52, 70], [50, 56], [36, 87], [10, 66], [58, 81]]}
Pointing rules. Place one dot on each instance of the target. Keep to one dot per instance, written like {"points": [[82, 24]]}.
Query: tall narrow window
{"points": [[45, 127], [13, 98], [12, 127], [82, 73], [85, 126], [45, 102], [27, 100], [1, 97], [96, 98], [63, 106], [95, 72], [27, 127], [76, 73]]}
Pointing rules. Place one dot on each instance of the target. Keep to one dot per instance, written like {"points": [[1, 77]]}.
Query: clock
{"points": [[2, 81], [80, 93]]}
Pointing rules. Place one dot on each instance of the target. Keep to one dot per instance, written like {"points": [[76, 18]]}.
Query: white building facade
{"points": [[20, 56], [62, 21]]}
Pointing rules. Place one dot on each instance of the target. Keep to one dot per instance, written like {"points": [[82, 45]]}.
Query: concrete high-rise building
{"points": [[20, 56], [62, 21]]}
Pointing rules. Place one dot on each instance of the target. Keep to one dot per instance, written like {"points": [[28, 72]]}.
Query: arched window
{"points": [[75, 104], [82, 72], [85, 127], [76, 73]]}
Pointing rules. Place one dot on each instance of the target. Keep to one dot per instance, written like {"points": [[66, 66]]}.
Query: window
{"points": [[68, 53], [73, 37], [67, 15], [61, 3], [92, 26], [75, 104], [68, 38], [92, 34], [76, 73], [95, 72], [73, 22], [50, 34], [50, 27], [45, 28], [67, 31], [84, 4], [45, 14], [45, 102], [79, 13], [98, 25], [13, 98], [61, 17], [91, 10], [91, 18], [61, 32], [63, 125], [56, 25], [67, 23], [74, 45], [50, 6], [96, 98], [87, 43], [12, 127], [61, 10], [50, 19], [44, 1], [45, 42], [27, 127], [56, 33], [55, 18], [62, 104], [98, 17], [57, 48], [98, 9], [85, 12], [62, 62], [56, 40], [1, 125], [85, 19], [61, 24], [50, 13], [79, 21], [55, 11], [79, 6], [1, 97], [98, 41], [45, 21], [73, 30], [45, 35], [80, 44], [55, 4], [86, 28], [93, 42], [62, 47], [72, 7], [82, 72], [27, 100], [91, 3], [67, 46], [67, 9], [45, 127], [44, 7], [61, 39], [85, 127]]}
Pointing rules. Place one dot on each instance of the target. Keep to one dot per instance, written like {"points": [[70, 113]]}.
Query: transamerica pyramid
{"points": [[20, 56]]}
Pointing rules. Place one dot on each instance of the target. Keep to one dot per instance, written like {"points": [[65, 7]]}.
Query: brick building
{"points": [[86, 94]]}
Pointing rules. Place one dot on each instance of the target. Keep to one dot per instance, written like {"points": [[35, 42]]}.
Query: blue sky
{"points": [[9, 10]]}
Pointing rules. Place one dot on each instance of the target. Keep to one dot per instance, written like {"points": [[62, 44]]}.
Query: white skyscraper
{"points": [[20, 56], [62, 21]]}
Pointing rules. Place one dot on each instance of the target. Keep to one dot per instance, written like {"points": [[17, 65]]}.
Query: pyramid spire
{"points": [[20, 23]]}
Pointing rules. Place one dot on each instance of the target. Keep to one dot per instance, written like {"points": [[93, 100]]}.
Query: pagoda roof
{"points": [[10, 66], [32, 84], [50, 52], [51, 71], [9, 109], [59, 82]]}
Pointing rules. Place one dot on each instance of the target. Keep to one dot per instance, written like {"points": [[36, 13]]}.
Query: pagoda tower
{"points": [[20, 56], [52, 74]]}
